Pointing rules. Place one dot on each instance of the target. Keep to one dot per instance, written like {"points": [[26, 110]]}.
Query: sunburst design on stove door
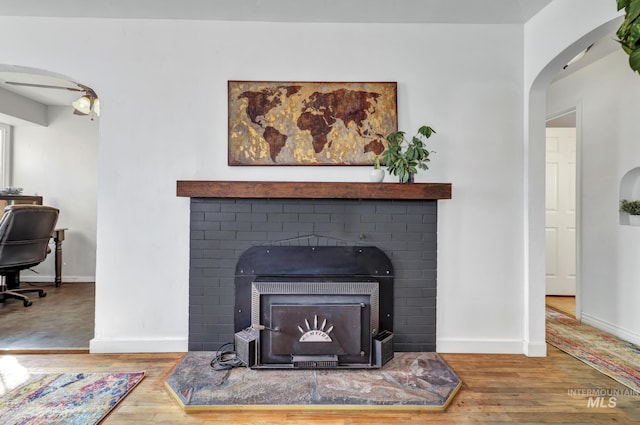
{"points": [[315, 333]]}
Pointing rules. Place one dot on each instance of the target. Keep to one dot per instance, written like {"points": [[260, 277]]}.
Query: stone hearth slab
{"points": [[409, 382]]}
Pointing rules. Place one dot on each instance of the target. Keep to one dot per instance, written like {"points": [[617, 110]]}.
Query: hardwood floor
{"points": [[496, 389], [61, 321], [564, 304]]}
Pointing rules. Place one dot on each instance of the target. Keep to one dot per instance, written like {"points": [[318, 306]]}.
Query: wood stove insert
{"points": [[314, 307]]}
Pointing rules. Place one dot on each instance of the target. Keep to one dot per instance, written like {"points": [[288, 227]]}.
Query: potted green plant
{"points": [[377, 174], [403, 157], [629, 32], [633, 209]]}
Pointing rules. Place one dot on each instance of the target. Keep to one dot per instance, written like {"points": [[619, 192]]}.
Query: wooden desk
{"points": [[19, 199], [58, 237]]}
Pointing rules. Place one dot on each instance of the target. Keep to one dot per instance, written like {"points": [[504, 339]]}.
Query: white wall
{"points": [[606, 92], [163, 95], [162, 86], [59, 162]]}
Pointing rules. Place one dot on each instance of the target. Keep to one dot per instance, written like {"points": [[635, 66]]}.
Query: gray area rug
{"points": [[410, 381]]}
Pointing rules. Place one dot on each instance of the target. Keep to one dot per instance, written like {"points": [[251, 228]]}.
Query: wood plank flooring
{"points": [[564, 304], [61, 321], [497, 389]]}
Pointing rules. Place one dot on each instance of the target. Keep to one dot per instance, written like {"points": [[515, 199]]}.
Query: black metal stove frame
{"points": [[316, 307]]}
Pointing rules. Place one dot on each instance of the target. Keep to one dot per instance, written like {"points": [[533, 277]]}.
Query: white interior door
{"points": [[560, 229]]}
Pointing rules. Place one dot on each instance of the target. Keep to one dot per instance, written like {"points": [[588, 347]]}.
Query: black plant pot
{"points": [[409, 180]]}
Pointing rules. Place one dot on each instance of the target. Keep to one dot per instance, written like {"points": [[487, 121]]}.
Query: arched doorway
{"points": [[534, 180], [54, 154]]}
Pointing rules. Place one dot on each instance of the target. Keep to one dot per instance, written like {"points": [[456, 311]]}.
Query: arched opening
{"points": [[53, 153], [630, 191], [535, 187]]}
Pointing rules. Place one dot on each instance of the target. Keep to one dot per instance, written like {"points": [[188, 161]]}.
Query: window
{"points": [[5, 155]]}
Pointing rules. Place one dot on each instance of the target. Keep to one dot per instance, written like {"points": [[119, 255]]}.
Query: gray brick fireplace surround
{"points": [[223, 228]]}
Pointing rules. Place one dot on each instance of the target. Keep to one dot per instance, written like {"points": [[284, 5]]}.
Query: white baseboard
{"points": [[479, 346], [535, 349], [38, 278], [105, 346], [616, 330]]}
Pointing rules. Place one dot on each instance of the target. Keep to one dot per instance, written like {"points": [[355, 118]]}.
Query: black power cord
{"points": [[226, 358]]}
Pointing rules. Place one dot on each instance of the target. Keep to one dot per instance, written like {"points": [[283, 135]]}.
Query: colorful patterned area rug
{"points": [[604, 352], [67, 398]]}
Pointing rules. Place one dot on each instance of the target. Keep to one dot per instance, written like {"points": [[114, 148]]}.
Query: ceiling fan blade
{"points": [[44, 86]]}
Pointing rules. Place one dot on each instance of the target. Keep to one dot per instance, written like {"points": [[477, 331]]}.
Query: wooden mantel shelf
{"points": [[312, 190]]}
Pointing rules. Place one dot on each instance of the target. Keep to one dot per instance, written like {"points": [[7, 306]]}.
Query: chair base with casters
{"points": [[18, 294]]}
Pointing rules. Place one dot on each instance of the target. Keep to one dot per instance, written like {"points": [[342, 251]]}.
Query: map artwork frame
{"points": [[310, 123]]}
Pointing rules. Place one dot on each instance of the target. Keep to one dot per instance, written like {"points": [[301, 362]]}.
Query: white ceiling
{"points": [[378, 11]]}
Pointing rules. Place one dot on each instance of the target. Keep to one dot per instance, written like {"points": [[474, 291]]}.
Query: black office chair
{"points": [[25, 231]]}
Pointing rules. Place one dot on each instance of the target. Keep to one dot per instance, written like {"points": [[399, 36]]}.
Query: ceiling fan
{"points": [[87, 104]]}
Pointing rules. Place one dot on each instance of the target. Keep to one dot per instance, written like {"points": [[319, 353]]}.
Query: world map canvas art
{"points": [[310, 123]]}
